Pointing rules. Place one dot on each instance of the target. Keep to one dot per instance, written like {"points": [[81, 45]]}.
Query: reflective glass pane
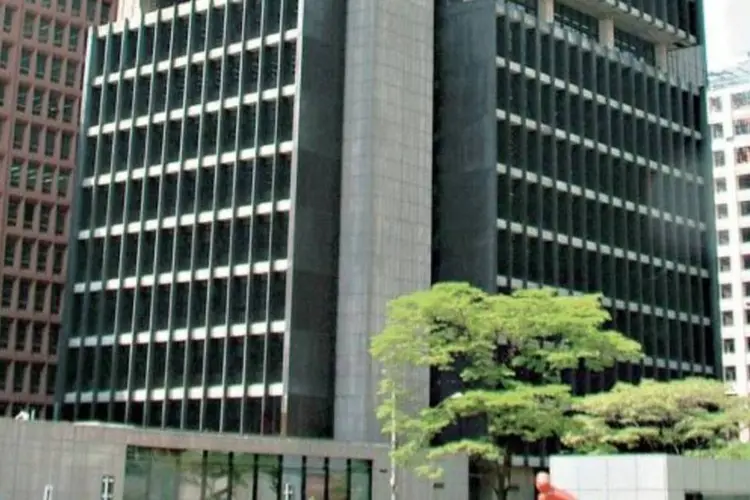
{"points": [[337, 479]]}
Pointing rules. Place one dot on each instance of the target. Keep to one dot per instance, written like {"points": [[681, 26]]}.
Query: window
{"points": [[12, 215], [715, 104], [45, 215], [722, 211], [8, 15], [29, 211], [32, 171], [58, 35], [742, 155], [104, 16], [717, 130], [73, 36], [28, 25], [50, 137], [16, 172], [24, 293], [743, 181], [40, 296], [19, 374], [35, 377], [740, 100], [726, 291], [75, 7], [22, 98], [70, 73], [41, 65], [730, 374], [727, 318], [58, 265], [7, 300], [744, 208], [723, 237], [4, 55], [35, 135], [53, 106], [60, 220], [728, 346], [746, 262], [48, 174], [37, 103], [53, 337], [66, 145], [68, 107], [63, 179], [91, 12], [747, 345], [56, 298], [725, 264], [44, 30], [2, 94], [745, 234], [42, 254], [10, 250], [62, 5], [746, 288], [721, 185], [27, 246], [56, 69], [742, 126], [24, 66], [747, 316]]}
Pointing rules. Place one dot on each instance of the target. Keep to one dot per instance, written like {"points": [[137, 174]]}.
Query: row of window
{"points": [[728, 346], [740, 126], [36, 216], [205, 32], [743, 182], [727, 318], [62, 6], [24, 294], [37, 139], [46, 30], [261, 298], [33, 378], [737, 100], [722, 209], [741, 155], [31, 254], [29, 336], [57, 69], [48, 104], [35, 177], [727, 289]]}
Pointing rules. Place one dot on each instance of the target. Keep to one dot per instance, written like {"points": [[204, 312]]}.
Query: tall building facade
{"points": [[260, 178], [571, 153], [203, 275], [729, 119], [42, 46]]}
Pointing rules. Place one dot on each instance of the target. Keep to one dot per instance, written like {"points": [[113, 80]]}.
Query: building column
{"points": [[546, 9], [607, 32], [385, 240], [660, 53]]}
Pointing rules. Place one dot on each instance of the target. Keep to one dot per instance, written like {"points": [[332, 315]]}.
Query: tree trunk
{"points": [[503, 471]]}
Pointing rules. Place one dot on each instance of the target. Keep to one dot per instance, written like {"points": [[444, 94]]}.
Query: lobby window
{"points": [[721, 185], [722, 211], [727, 318], [726, 291], [730, 374], [717, 131], [715, 104], [719, 158], [740, 100], [728, 346]]}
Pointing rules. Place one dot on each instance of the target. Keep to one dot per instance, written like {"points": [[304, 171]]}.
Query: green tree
{"points": [[510, 352], [690, 416]]}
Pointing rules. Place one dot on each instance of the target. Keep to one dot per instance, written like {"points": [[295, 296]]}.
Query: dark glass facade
{"points": [[571, 153], [211, 151], [204, 475]]}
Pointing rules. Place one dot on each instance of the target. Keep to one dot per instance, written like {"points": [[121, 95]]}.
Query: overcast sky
{"points": [[727, 30]]}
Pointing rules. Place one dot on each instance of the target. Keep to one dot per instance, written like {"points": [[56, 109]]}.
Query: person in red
{"points": [[549, 492]]}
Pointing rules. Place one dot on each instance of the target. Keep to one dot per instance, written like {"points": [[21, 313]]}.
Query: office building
{"points": [[729, 119], [42, 45], [259, 180], [571, 153]]}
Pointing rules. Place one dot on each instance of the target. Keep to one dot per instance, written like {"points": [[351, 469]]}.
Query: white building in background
{"points": [[729, 118]]}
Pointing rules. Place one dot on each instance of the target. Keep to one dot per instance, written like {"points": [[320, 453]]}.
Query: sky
{"points": [[727, 33]]}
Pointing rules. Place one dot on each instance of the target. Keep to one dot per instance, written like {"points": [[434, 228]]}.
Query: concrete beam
{"points": [[546, 9]]}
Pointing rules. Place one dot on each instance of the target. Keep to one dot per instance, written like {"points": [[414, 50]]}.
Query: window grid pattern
{"points": [[41, 51], [577, 229], [220, 198]]}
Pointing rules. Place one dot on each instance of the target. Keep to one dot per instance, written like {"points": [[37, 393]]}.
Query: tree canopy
{"points": [[694, 415], [510, 352]]}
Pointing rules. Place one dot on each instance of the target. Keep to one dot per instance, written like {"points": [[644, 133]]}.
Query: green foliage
{"points": [[692, 415], [490, 340]]}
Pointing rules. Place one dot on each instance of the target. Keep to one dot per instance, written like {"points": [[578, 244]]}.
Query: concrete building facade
{"points": [[729, 119], [42, 47]]}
